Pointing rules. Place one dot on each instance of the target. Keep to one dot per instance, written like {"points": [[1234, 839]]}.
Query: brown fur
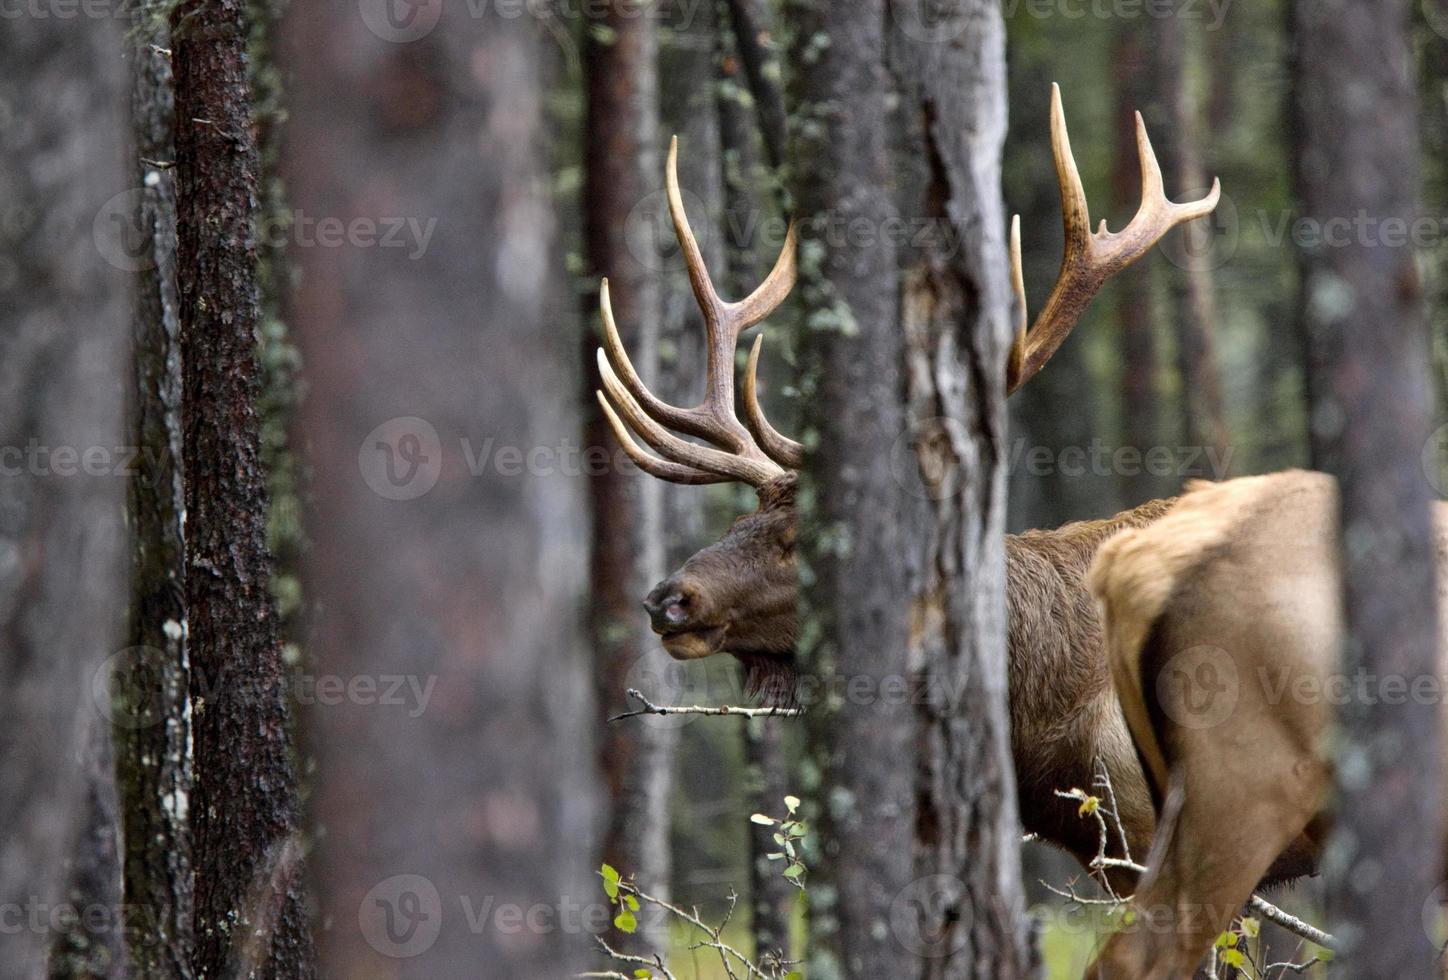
{"points": [[1065, 718], [1247, 571]]}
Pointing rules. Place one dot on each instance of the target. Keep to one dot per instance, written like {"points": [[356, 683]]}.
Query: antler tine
{"points": [[652, 465], [781, 449], [754, 471], [776, 286], [735, 454], [1090, 259]]}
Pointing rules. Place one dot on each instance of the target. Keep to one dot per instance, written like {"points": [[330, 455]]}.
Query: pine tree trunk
{"points": [[250, 906], [956, 324], [622, 169], [450, 805], [63, 309], [152, 717], [850, 356], [1361, 311]]}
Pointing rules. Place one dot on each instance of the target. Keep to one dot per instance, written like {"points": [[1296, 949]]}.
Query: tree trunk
{"points": [[957, 324], [63, 309], [454, 793], [853, 507], [151, 713], [622, 178], [1171, 112], [1361, 311], [89, 946], [250, 907]]}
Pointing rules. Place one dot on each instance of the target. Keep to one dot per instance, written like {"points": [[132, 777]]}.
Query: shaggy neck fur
{"points": [[1064, 712]]}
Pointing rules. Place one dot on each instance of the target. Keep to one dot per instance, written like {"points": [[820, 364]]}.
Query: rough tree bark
{"points": [[854, 565], [152, 709], [622, 169], [63, 310], [956, 321], [469, 791], [1361, 312], [250, 907]]}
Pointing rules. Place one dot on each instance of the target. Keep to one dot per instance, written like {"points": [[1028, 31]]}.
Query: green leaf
{"points": [[1251, 927], [761, 819], [792, 802], [625, 920], [1233, 957], [794, 975], [780, 839], [794, 871], [643, 972], [610, 882], [1088, 806], [1226, 939], [775, 855], [631, 902]]}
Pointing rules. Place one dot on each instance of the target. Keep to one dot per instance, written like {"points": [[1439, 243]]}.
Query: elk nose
{"points": [[667, 605]]}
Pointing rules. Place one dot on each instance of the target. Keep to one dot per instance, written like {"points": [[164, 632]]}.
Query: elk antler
{"points": [[1090, 259], [734, 453]]}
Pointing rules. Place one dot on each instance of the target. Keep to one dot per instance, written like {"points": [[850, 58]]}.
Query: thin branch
{"points": [[649, 708], [1099, 863]]}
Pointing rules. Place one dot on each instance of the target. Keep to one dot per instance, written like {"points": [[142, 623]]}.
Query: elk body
{"points": [[1223, 622], [738, 596]]}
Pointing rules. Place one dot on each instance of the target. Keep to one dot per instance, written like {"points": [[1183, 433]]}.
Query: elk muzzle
{"points": [[673, 608]]}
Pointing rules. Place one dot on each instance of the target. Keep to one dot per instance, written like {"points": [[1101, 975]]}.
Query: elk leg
{"points": [[1232, 825]]}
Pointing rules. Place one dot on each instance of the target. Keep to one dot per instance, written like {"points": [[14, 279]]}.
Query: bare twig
{"points": [[649, 708], [1102, 861]]}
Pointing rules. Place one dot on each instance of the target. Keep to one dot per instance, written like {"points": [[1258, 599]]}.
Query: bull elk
{"points": [[738, 595], [1217, 615]]}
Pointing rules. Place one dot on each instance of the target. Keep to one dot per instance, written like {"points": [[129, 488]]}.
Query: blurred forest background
{"points": [[508, 603]]}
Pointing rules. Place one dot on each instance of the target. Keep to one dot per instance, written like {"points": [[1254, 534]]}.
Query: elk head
{"points": [[738, 595]]}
